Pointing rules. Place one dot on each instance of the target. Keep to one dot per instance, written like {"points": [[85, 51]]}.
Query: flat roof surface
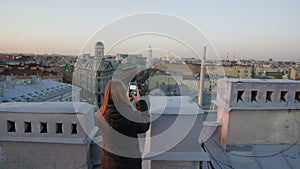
{"points": [[237, 80], [177, 105], [258, 156]]}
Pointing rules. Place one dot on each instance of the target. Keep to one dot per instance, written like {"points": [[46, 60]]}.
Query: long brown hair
{"points": [[115, 92]]}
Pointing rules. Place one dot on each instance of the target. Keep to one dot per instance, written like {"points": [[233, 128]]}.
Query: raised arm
{"points": [[142, 108]]}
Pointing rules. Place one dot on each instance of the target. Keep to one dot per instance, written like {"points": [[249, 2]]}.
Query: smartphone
{"points": [[132, 89]]}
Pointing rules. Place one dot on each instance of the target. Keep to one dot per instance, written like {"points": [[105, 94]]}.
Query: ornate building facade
{"points": [[92, 74]]}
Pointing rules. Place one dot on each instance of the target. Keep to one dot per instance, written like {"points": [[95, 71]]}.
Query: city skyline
{"points": [[248, 30]]}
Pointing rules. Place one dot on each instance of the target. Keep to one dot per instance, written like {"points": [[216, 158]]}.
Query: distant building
{"points": [[135, 59], [224, 70], [227, 62], [182, 68], [92, 74], [233, 71], [191, 60], [25, 71], [244, 62], [67, 72], [295, 74], [22, 66], [170, 59], [37, 90], [272, 72], [17, 57], [244, 71]]}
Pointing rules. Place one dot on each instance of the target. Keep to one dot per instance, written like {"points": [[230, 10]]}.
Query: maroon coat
{"points": [[120, 140]]}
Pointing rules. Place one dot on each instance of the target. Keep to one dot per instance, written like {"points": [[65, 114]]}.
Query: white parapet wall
{"points": [[254, 111], [173, 138], [258, 94], [45, 135]]}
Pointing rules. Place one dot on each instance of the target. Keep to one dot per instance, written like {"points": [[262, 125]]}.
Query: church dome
{"points": [[99, 44]]}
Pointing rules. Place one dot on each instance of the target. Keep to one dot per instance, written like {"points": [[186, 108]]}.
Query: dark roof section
{"points": [[259, 156]]}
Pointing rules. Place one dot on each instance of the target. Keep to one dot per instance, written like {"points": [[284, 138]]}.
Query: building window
{"points": [[59, 128], [43, 127], [11, 126], [254, 96], [269, 96], [283, 96], [99, 98], [297, 96], [240, 96], [74, 128], [27, 127]]}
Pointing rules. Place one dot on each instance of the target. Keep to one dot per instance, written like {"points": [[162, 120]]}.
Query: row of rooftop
{"points": [[240, 136], [36, 90], [62, 67]]}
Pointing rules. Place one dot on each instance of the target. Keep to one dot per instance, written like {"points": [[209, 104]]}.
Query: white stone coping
{"points": [[46, 107], [211, 124], [237, 80], [178, 156], [173, 105], [47, 140], [248, 106], [67, 113]]}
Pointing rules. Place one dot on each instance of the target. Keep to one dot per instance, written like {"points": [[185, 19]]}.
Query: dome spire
{"points": [[99, 50], [149, 57]]}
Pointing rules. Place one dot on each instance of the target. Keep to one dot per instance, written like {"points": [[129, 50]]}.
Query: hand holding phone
{"points": [[133, 91]]}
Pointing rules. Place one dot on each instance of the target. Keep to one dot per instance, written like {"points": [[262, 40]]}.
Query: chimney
{"points": [[201, 81]]}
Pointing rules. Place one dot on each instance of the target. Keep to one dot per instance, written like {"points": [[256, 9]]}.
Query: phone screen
{"points": [[132, 89]]}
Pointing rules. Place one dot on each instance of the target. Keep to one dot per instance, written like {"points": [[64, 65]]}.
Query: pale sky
{"points": [[251, 29]]}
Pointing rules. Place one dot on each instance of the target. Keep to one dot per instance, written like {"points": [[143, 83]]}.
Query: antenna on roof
{"points": [[233, 56], [201, 81]]}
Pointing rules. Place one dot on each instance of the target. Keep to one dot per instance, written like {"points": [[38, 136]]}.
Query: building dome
{"points": [[99, 44]]}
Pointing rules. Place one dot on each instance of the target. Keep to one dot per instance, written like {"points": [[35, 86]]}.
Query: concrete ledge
{"points": [[47, 140], [178, 156]]}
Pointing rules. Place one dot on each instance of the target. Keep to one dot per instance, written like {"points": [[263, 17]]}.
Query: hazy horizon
{"points": [[249, 29]]}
